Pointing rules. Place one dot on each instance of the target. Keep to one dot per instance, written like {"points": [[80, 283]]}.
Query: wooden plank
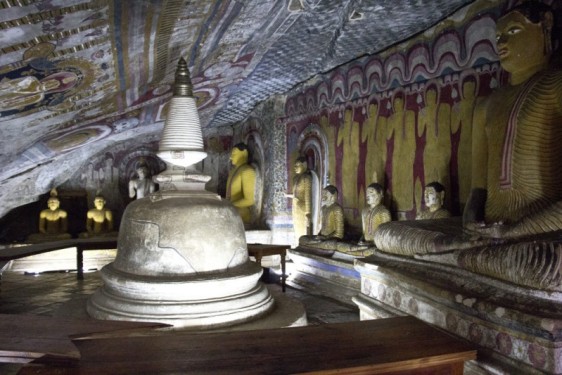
{"points": [[27, 337], [376, 346]]}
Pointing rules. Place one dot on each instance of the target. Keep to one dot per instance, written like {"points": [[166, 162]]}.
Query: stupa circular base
{"points": [[221, 299]]}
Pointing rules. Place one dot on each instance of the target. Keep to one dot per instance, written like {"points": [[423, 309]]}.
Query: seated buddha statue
{"points": [[99, 220], [331, 226], [434, 195], [332, 215], [241, 183], [53, 222], [513, 217], [374, 214], [142, 186]]}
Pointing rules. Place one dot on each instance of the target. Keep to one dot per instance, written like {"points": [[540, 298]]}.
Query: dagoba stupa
{"points": [[182, 257]]}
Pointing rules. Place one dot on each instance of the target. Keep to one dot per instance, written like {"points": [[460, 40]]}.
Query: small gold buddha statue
{"points": [[374, 214], [434, 196], [99, 220], [53, 221], [241, 183], [142, 186]]}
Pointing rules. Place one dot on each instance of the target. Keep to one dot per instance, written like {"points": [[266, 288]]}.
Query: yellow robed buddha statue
{"points": [[99, 220], [302, 199], [513, 216], [374, 214], [332, 224], [434, 196], [332, 215], [241, 183], [53, 222]]}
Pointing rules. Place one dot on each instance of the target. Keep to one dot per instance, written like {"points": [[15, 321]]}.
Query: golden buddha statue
{"points": [[332, 214], [99, 220], [241, 183], [375, 214], [331, 226], [53, 221], [143, 186], [302, 199], [519, 194], [513, 216], [434, 196]]}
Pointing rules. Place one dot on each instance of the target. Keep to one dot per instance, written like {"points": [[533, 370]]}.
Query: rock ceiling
{"points": [[77, 76]]}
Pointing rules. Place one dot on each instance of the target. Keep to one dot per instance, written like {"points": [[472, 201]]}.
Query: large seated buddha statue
{"points": [[512, 221], [53, 222]]}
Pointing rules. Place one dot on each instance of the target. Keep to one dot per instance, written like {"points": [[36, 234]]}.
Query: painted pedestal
{"points": [[518, 330], [325, 273]]}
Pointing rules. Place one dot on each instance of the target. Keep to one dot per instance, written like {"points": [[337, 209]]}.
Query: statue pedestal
{"points": [[517, 329], [326, 273]]}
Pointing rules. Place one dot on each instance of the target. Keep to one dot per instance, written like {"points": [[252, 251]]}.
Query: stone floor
{"points": [[50, 293]]}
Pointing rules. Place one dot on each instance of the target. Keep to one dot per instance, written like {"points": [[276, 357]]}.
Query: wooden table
{"points": [[258, 251], [385, 346]]}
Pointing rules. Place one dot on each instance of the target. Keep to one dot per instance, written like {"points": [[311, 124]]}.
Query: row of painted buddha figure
{"points": [[53, 221]]}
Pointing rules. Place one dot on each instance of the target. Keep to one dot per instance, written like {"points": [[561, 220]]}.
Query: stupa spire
{"points": [[182, 140], [182, 83]]}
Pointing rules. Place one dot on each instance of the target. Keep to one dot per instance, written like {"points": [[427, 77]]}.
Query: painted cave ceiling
{"points": [[77, 76]]}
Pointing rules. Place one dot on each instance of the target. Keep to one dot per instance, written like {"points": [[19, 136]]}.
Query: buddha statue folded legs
{"points": [[513, 218], [332, 225], [99, 220], [53, 222]]}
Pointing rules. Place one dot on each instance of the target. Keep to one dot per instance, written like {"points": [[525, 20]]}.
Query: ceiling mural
{"points": [[76, 76]]}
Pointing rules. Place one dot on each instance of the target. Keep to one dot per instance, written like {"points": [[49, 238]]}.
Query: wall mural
{"points": [[402, 118]]}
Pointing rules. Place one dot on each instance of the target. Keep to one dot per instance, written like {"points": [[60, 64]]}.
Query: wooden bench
{"points": [[81, 245], [384, 346]]}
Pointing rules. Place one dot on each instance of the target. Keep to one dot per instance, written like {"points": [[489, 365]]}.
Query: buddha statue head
{"points": [[142, 172], [329, 195], [99, 202], [374, 194], [434, 195], [524, 40], [301, 165], [239, 154], [53, 203]]}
